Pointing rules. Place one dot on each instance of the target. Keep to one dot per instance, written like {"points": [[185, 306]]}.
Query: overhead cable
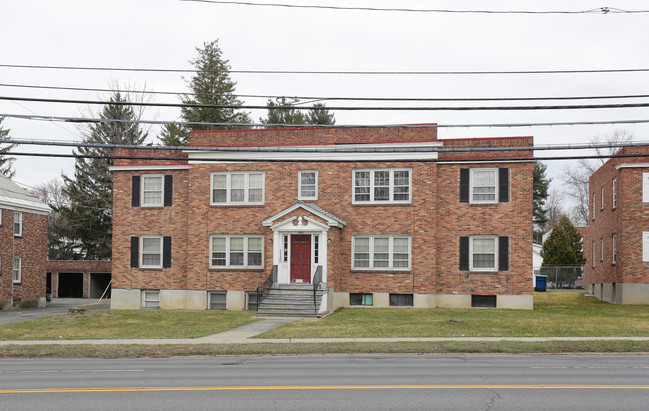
{"points": [[332, 72], [339, 108], [333, 98], [330, 98], [262, 125], [330, 148], [599, 10]]}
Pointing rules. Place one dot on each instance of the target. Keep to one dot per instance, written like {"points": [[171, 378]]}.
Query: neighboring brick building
{"points": [[78, 278], [408, 226], [616, 245], [23, 247]]}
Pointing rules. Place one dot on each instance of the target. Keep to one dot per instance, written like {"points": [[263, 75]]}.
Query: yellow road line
{"points": [[328, 387]]}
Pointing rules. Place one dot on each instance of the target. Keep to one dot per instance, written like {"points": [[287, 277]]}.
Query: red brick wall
{"points": [[31, 247], [434, 219], [628, 220], [307, 135]]}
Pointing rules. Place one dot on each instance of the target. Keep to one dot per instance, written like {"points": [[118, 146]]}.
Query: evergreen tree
{"points": [[212, 85], [6, 163], [540, 194], [90, 191], [287, 114], [563, 246], [174, 135], [284, 115], [319, 114]]}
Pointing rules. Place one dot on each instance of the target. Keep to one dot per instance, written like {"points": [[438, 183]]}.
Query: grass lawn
{"points": [[115, 324], [555, 314]]}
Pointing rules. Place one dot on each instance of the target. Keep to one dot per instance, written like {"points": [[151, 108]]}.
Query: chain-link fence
{"points": [[561, 276]]}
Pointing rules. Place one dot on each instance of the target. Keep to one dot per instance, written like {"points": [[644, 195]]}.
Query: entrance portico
{"points": [[300, 242]]}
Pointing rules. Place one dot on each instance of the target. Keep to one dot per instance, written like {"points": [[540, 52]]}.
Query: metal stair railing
{"points": [[264, 288], [317, 280]]}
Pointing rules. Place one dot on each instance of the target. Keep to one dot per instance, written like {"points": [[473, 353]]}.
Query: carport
{"points": [[79, 278]]}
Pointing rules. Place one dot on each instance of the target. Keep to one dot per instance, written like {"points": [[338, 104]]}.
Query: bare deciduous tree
{"points": [[575, 178]]}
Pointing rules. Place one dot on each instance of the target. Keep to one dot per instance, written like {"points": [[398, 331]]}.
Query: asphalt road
{"points": [[331, 382]]}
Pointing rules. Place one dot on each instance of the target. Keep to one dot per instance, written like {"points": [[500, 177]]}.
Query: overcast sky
{"points": [[164, 34]]}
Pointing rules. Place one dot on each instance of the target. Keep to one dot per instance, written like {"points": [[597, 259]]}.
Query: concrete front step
{"points": [[290, 301]]}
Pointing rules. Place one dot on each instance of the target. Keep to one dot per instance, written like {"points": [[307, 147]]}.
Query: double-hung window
{"points": [[614, 254], [308, 185], [234, 188], [152, 190], [236, 251], [151, 251], [484, 187], [18, 223], [16, 275], [381, 252], [614, 193], [483, 253], [391, 186]]}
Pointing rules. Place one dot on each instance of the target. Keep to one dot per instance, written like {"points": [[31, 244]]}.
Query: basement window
{"points": [[251, 301], [483, 301], [150, 299], [217, 300], [360, 299], [400, 300]]}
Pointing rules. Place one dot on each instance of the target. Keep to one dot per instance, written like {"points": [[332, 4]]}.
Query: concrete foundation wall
{"points": [[125, 299], [633, 293], [519, 302], [454, 301], [424, 301], [380, 300], [183, 299], [235, 300]]}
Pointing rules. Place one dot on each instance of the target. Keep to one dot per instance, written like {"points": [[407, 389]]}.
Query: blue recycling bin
{"points": [[541, 283]]}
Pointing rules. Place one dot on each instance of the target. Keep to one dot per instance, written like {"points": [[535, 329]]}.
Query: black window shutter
{"points": [[168, 190], [464, 185], [135, 196], [166, 252], [503, 185], [503, 253], [135, 252], [464, 253]]}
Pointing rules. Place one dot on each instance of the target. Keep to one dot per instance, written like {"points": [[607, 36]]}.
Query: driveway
{"points": [[57, 306]]}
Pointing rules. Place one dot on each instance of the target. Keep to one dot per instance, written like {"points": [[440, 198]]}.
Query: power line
{"points": [[339, 108], [332, 148], [334, 98], [331, 72], [599, 10], [262, 125]]}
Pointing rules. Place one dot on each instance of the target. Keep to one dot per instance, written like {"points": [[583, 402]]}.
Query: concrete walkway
{"points": [[244, 334]]}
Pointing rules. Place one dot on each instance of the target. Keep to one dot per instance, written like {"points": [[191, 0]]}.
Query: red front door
{"points": [[301, 258]]}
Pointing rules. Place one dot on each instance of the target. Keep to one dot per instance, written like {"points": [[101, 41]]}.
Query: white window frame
{"points": [[645, 187], [645, 246], [390, 266], [154, 293], [601, 257], [228, 251], [471, 178], [594, 255], [246, 188], [483, 237], [614, 253], [594, 204], [17, 270], [145, 177], [391, 186], [142, 265], [602, 199], [614, 193], [0, 216], [19, 216], [300, 195]]}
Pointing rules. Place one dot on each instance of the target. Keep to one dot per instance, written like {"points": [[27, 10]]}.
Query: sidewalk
{"points": [[244, 334]]}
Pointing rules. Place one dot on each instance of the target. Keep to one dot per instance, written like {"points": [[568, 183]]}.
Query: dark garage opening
{"points": [[98, 284], [70, 285]]}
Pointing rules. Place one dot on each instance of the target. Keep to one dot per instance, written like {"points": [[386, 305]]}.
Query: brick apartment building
{"points": [[390, 222], [23, 247], [616, 245]]}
